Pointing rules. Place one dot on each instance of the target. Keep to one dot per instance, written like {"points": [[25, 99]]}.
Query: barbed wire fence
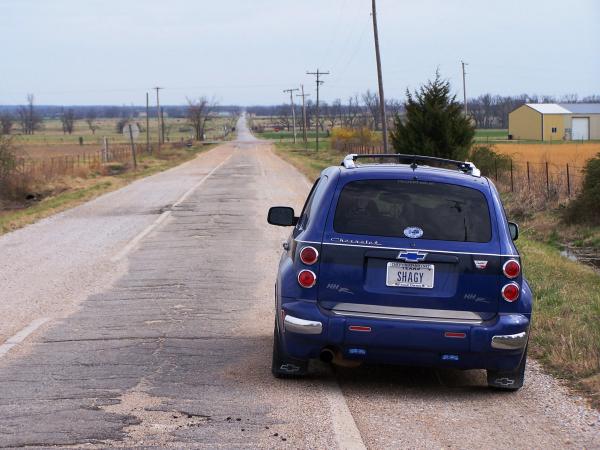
{"points": [[555, 182]]}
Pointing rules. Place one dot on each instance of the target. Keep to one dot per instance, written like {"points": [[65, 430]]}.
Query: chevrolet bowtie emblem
{"points": [[411, 256], [480, 263]]}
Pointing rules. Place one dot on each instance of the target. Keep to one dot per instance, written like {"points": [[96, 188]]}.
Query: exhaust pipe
{"points": [[327, 355], [330, 355]]}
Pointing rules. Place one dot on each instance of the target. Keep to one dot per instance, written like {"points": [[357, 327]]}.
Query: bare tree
{"points": [[198, 113], [334, 113], [90, 119], [395, 107], [29, 119], [6, 123], [67, 119], [283, 118], [352, 111], [371, 101]]}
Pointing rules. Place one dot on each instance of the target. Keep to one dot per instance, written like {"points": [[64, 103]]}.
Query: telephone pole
{"points": [[147, 123], [158, 115], [291, 91], [303, 113], [318, 74], [379, 78], [464, 85]]}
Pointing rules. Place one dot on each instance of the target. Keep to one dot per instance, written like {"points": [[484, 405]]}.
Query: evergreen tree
{"points": [[434, 124]]}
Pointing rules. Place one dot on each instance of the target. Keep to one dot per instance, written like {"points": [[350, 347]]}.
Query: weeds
{"points": [[586, 207]]}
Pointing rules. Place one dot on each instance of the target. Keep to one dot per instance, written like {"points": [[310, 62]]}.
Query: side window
{"points": [[314, 192]]}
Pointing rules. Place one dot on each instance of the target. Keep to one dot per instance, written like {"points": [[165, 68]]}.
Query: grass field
{"points": [[482, 134], [566, 325], [284, 135], [572, 153], [50, 141]]}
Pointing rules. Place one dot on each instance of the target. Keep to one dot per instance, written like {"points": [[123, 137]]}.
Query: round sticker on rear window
{"points": [[413, 232]]}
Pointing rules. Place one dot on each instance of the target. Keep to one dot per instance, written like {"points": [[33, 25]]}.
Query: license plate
{"points": [[410, 275]]}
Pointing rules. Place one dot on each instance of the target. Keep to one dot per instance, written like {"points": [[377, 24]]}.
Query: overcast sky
{"points": [[247, 52]]}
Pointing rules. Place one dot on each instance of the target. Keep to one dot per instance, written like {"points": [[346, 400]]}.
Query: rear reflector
{"points": [[309, 255], [307, 278], [510, 292], [359, 328], [453, 334]]}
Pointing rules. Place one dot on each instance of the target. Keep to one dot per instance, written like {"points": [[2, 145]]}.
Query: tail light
{"points": [[309, 255], [510, 292], [307, 278], [511, 268]]}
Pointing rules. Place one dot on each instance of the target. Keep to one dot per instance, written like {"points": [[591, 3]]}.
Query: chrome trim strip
{"points": [[510, 341], [301, 326], [408, 249], [413, 314]]}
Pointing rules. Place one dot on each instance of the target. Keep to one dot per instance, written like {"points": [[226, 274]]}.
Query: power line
{"points": [[335, 29], [342, 51], [356, 48], [318, 74], [291, 91]]}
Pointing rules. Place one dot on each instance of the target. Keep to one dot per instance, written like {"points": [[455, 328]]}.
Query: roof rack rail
{"points": [[349, 161]]}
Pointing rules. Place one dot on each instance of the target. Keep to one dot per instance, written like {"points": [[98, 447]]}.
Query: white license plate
{"points": [[410, 275]]}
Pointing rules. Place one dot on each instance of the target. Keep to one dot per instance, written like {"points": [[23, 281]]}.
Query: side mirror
{"points": [[514, 230], [282, 216]]}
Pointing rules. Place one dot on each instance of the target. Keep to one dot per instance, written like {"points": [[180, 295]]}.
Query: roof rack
{"points": [[467, 167]]}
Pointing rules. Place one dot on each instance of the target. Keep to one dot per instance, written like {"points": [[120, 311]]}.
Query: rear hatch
{"points": [[411, 248]]}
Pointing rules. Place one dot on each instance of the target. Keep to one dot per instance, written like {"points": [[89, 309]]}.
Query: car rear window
{"points": [[388, 207]]}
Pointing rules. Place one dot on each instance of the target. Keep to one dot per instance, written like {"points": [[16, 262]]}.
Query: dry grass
{"points": [[566, 324], [45, 151], [42, 198], [574, 154]]}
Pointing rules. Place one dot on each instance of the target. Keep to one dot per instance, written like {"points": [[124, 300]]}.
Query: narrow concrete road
{"points": [[158, 304]]}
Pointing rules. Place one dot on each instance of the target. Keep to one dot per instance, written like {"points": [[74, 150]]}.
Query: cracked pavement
{"points": [[171, 346]]}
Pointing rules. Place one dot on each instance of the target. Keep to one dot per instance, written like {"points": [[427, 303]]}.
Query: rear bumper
{"points": [[494, 344]]}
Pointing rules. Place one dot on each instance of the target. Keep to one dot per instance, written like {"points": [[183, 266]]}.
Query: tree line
{"points": [[28, 118], [357, 111], [362, 110]]}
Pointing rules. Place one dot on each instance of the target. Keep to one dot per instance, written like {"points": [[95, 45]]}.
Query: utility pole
{"points": [[162, 121], [319, 82], [379, 78], [303, 113], [158, 115], [147, 123], [464, 85], [291, 91]]}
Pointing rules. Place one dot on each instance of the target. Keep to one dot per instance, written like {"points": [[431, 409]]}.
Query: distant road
{"points": [[145, 318]]}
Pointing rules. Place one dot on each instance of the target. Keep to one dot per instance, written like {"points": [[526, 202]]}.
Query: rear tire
{"points": [[508, 380], [282, 365]]}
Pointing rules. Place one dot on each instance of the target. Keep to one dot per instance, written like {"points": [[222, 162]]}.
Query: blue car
{"points": [[402, 259]]}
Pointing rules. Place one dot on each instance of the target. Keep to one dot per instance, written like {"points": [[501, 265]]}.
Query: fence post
{"points": [[132, 148], [547, 181], [528, 178], [512, 184], [568, 182], [105, 150]]}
